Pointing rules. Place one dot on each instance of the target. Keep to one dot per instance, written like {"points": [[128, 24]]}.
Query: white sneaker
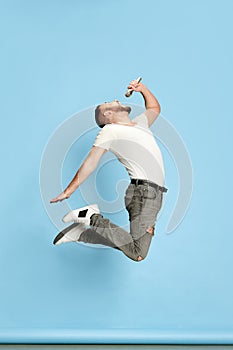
{"points": [[82, 215], [70, 234]]}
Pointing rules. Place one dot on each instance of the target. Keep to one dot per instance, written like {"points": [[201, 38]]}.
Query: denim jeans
{"points": [[143, 203]]}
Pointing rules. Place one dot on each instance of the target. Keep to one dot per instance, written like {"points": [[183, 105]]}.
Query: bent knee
{"points": [[150, 230], [138, 258]]}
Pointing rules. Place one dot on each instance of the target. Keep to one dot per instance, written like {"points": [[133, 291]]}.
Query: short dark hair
{"points": [[99, 117]]}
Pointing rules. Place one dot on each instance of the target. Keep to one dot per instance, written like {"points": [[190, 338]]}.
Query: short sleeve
{"points": [[141, 120], [105, 137]]}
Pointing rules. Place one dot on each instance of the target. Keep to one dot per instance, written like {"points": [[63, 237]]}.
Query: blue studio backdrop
{"points": [[61, 57]]}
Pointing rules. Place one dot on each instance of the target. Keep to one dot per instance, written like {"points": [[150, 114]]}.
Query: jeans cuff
{"points": [[93, 218]]}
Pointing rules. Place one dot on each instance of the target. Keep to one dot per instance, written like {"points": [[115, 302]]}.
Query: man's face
{"points": [[115, 106]]}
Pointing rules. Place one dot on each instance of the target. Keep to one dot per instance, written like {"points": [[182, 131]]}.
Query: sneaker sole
{"points": [[63, 233]]}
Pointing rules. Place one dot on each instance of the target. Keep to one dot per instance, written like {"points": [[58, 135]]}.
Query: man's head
{"points": [[110, 112]]}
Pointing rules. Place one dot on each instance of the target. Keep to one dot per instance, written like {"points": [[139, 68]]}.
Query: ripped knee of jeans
{"points": [[140, 258], [150, 230]]}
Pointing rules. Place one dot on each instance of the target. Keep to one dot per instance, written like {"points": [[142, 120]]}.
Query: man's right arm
{"points": [[151, 103]]}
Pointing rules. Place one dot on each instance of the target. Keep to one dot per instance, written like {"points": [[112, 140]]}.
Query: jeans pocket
{"points": [[149, 192]]}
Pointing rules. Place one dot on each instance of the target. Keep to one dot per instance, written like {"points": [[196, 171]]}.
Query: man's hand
{"points": [[60, 198], [135, 86]]}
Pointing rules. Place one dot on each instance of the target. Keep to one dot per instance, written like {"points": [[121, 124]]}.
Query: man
{"points": [[135, 147]]}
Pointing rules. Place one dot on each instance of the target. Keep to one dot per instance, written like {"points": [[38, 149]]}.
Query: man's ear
{"points": [[107, 113]]}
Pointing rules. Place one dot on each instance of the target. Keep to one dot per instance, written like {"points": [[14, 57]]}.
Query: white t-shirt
{"points": [[135, 147]]}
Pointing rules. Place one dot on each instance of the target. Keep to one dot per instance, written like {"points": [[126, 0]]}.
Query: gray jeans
{"points": [[143, 203]]}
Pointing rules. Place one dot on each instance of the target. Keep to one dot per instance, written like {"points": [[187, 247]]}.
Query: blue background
{"points": [[60, 57]]}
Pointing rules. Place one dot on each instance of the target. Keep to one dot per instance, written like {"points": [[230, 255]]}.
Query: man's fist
{"points": [[136, 86]]}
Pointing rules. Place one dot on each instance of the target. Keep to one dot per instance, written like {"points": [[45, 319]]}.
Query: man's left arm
{"points": [[87, 167]]}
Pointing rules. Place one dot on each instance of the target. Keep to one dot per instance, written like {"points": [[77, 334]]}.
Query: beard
{"points": [[121, 108], [125, 109]]}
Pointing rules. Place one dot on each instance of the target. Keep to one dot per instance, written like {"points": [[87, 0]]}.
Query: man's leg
{"points": [[104, 232], [92, 237], [143, 205]]}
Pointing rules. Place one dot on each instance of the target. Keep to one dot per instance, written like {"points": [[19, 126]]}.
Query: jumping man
{"points": [[132, 142]]}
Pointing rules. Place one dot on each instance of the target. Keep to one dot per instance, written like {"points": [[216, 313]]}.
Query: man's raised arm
{"points": [[151, 103], [84, 171]]}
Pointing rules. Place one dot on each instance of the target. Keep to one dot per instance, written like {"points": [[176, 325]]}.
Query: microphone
{"points": [[130, 91]]}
